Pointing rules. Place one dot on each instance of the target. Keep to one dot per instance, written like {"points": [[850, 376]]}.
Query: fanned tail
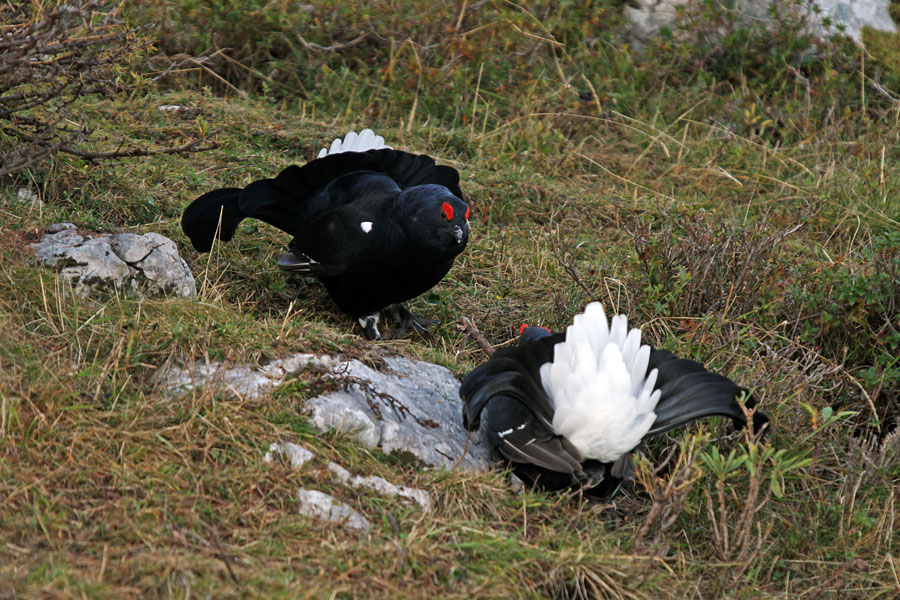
{"points": [[600, 385], [201, 219], [366, 140]]}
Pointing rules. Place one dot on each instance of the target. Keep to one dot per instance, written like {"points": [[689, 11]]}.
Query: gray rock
{"points": [[320, 505], [146, 264], [649, 16], [298, 456], [29, 198], [380, 485], [241, 381], [412, 409], [856, 14]]}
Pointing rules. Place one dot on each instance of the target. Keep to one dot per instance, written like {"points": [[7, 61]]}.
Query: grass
{"points": [[746, 217]]}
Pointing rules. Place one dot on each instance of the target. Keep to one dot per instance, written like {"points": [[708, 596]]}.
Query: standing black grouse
{"points": [[567, 409], [376, 226]]}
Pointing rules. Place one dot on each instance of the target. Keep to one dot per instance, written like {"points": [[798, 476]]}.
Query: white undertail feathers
{"points": [[598, 384], [366, 140]]}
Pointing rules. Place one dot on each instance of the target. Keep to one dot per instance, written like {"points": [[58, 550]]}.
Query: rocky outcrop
{"points": [[648, 17], [146, 264], [408, 408]]}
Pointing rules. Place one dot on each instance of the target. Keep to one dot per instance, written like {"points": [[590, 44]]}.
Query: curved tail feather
{"points": [[215, 211]]}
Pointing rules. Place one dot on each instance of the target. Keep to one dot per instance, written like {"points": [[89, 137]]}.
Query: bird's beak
{"points": [[458, 232]]}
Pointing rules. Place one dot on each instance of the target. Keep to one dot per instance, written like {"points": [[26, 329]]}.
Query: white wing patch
{"points": [[598, 383], [366, 140], [366, 226]]}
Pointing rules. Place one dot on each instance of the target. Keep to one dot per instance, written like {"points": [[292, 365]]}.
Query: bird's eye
{"points": [[448, 210]]}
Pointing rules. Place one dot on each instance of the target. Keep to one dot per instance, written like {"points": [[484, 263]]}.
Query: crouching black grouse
{"points": [[566, 410], [376, 226]]}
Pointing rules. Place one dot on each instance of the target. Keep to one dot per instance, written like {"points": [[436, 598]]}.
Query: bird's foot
{"points": [[370, 327], [593, 478], [405, 320]]}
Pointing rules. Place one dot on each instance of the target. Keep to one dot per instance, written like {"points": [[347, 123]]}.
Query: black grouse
{"points": [[566, 410], [376, 226]]}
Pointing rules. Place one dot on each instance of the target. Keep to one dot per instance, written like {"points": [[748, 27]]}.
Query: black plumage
{"points": [[507, 392], [376, 227]]}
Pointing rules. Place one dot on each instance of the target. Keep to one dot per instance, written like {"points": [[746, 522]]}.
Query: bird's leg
{"points": [[593, 478], [370, 327], [406, 320]]}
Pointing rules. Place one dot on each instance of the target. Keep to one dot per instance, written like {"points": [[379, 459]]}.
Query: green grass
{"points": [[741, 215]]}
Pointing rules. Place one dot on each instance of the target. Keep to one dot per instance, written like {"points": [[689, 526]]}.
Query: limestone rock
{"points": [[146, 264], [413, 409], [295, 454], [320, 505], [650, 16], [298, 456], [856, 14], [380, 485], [242, 381]]}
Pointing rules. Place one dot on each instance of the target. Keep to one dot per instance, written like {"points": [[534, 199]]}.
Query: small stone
{"points": [[26, 196], [320, 505], [296, 455], [380, 485]]}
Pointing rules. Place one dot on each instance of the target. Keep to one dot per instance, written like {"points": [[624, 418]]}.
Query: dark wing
{"points": [[297, 194], [509, 369], [404, 168], [688, 391], [330, 242], [519, 413]]}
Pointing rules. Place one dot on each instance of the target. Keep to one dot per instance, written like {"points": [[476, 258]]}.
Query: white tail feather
{"points": [[602, 395], [366, 140]]}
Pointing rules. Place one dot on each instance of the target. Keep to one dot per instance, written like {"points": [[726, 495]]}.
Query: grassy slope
{"points": [[660, 208]]}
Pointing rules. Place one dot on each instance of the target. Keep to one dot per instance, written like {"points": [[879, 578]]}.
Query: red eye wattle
{"points": [[522, 328], [448, 210], [467, 213]]}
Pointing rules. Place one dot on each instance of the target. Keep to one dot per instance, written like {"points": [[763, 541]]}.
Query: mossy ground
{"points": [[743, 212]]}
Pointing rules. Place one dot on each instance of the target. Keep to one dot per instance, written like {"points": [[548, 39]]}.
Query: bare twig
{"points": [[49, 59], [334, 47], [476, 335], [192, 146], [222, 554]]}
